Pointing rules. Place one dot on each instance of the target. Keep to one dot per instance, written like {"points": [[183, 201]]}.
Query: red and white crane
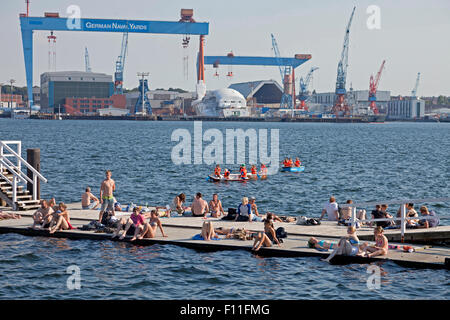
{"points": [[373, 86]]}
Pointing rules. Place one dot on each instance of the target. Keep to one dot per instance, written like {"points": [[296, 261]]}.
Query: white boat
{"points": [[20, 114]]}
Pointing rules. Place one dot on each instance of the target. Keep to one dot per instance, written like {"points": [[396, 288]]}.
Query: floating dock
{"points": [[180, 231]]}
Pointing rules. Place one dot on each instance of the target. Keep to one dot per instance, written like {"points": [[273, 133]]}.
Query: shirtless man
{"points": [[86, 200], [107, 188], [41, 214]]}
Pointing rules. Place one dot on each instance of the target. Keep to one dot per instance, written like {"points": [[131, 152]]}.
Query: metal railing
{"points": [[403, 219], [15, 168]]}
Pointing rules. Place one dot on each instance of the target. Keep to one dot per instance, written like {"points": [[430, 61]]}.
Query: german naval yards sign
{"points": [[115, 25]]}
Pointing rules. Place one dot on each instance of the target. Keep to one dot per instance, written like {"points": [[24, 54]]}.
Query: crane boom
{"points": [[342, 71], [120, 65], [373, 87], [86, 60], [288, 97], [414, 90]]}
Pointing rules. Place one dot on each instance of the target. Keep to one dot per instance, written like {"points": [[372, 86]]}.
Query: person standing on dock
{"points": [[331, 208], [107, 188]]}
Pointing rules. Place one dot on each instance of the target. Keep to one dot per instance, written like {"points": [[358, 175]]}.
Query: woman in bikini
{"points": [[267, 237], [321, 245], [148, 230], [347, 246], [61, 219], [208, 232], [381, 245]]}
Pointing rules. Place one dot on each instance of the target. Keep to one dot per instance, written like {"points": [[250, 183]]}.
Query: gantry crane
{"points": [[414, 90], [373, 86], [120, 64], [340, 104], [304, 84]]}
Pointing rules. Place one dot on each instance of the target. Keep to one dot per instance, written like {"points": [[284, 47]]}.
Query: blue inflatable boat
{"points": [[293, 169]]}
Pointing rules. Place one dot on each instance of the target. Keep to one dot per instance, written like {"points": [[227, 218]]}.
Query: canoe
{"points": [[293, 169], [233, 177]]}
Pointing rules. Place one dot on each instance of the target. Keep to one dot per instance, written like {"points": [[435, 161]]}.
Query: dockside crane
{"points": [[373, 86], [414, 90], [340, 105], [304, 93], [86, 60], [288, 97], [120, 65]]}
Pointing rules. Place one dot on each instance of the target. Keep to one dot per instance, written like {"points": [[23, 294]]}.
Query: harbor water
{"points": [[362, 162]]}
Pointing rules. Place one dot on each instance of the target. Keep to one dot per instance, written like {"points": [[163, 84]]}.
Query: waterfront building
{"points": [[10, 101], [57, 86], [406, 108]]}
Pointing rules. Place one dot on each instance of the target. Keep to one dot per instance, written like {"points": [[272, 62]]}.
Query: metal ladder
{"points": [[13, 181]]}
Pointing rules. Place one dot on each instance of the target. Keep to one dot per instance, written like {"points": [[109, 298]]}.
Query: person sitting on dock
{"points": [[62, 219], [428, 223], [177, 203], [377, 214], [244, 212], [411, 213], [331, 208], [297, 162], [345, 214], [381, 246], [217, 171], [347, 246], [199, 206], [321, 245], [52, 204], [40, 214], [267, 237], [386, 215], [215, 207], [48, 215], [107, 188], [148, 229], [130, 224], [254, 207], [86, 198], [208, 231]]}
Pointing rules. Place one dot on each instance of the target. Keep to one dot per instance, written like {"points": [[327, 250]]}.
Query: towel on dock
{"points": [[199, 237]]}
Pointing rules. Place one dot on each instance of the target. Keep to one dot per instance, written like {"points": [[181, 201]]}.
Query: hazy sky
{"points": [[414, 37]]}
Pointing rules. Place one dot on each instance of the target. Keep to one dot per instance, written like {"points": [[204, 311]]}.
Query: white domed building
{"points": [[223, 103]]}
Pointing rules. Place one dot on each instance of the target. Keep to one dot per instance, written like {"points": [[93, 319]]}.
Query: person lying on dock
{"points": [[86, 198], [321, 245], [266, 238], [428, 223], [381, 246], [130, 225], [148, 229], [215, 207], [347, 246], [7, 215], [61, 219]]}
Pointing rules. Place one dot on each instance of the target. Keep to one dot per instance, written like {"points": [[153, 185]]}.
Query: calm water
{"points": [[362, 162]]}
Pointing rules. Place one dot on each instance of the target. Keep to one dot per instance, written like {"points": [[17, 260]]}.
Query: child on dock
{"points": [[381, 246]]}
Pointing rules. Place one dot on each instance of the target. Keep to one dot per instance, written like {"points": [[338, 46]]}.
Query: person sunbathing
{"points": [[5, 215], [61, 219], [130, 224], [148, 229], [347, 246], [267, 237], [381, 246], [321, 245], [208, 232]]}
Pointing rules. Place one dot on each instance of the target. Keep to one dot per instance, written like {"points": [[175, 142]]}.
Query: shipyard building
{"points": [[405, 108]]}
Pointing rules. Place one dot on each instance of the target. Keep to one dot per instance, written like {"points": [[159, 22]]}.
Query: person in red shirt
{"points": [[217, 171], [243, 172], [297, 162], [254, 170], [226, 174]]}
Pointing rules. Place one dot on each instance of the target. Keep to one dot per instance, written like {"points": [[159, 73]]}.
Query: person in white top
{"points": [[331, 208]]}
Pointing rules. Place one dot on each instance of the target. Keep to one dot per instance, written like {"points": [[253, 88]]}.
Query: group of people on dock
{"points": [[55, 217]]}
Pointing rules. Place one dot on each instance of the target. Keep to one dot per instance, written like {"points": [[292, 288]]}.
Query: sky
{"points": [[413, 37]]}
